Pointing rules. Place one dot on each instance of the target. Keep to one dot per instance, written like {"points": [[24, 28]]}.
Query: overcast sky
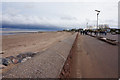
{"points": [[60, 14]]}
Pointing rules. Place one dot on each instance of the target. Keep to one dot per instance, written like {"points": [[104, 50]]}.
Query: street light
{"points": [[97, 16]]}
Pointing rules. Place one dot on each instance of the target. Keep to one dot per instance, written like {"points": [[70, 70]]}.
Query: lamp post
{"points": [[87, 25], [97, 17]]}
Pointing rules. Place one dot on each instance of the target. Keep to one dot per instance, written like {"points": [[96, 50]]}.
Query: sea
{"points": [[12, 31]]}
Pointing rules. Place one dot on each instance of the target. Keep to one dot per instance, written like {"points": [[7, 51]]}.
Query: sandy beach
{"points": [[13, 45]]}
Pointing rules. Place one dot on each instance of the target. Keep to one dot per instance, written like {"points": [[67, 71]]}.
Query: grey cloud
{"points": [[36, 20], [68, 18]]}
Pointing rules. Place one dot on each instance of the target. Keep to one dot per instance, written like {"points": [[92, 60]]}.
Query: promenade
{"points": [[72, 56], [94, 59]]}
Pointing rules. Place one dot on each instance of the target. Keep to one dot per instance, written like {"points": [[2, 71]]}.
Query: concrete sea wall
{"points": [[47, 64]]}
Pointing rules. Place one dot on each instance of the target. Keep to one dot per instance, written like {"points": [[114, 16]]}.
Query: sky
{"points": [[58, 15]]}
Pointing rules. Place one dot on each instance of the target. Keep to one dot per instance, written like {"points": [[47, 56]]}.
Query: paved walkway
{"points": [[94, 59], [110, 36]]}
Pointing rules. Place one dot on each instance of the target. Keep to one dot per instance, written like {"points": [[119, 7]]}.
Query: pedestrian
{"points": [[105, 32], [81, 32]]}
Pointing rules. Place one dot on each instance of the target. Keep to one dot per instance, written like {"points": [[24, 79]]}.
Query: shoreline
{"points": [[21, 32], [13, 45], [31, 42]]}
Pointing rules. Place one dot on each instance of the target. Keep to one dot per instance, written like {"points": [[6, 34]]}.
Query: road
{"points": [[94, 59]]}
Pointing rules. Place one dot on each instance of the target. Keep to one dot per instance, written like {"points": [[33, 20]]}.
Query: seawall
{"points": [[47, 64]]}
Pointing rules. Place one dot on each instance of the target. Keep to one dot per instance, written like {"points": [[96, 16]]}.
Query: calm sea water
{"points": [[8, 31]]}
